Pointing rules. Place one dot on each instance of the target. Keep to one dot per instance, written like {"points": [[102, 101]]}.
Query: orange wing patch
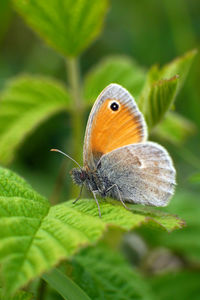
{"points": [[112, 129]]}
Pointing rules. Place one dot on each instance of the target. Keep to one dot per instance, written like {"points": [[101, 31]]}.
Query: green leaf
{"points": [[25, 103], [114, 69], [104, 274], [68, 26], [161, 88], [182, 285], [64, 286], [157, 100], [179, 66], [5, 16], [186, 242], [175, 128], [194, 178], [34, 237], [21, 295]]}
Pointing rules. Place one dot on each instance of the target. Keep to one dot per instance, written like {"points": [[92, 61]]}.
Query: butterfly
{"points": [[118, 161]]}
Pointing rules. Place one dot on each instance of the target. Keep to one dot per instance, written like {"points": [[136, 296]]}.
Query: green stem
{"points": [[77, 113], [77, 130]]}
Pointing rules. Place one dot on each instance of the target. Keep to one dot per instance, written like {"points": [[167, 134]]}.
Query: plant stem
{"points": [[77, 130], [77, 113], [75, 86]]}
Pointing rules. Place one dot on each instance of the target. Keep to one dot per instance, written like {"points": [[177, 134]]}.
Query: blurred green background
{"points": [[151, 32]]}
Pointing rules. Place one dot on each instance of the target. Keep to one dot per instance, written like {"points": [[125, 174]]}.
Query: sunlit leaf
{"points": [[34, 236], [104, 274], [24, 104], [175, 128], [114, 69], [69, 26]]}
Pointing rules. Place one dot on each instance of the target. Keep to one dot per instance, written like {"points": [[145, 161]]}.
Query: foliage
{"points": [[64, 285], [175, 128], [187, 243], [30, 227], [161, 87], [104, 274], [26, 102], [177, 285], [5, 16], [35, 236], [21, 295], [69, 26], [118, 69]]}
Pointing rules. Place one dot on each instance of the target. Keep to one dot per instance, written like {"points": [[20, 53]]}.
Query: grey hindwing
{"points": [[143, 172]]}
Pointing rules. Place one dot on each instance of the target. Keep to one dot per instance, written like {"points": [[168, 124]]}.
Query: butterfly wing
{"points": [[109, 128], [143, 172]]}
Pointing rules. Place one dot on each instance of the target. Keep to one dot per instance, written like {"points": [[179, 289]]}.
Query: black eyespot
{"points": [[114, 106]]}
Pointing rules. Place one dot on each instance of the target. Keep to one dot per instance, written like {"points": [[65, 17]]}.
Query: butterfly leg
{"points": [[94, 194], [79, 196], [120, 197]]}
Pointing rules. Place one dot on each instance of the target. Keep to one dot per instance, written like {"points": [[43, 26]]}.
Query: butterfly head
{"points": [[79, 176]]}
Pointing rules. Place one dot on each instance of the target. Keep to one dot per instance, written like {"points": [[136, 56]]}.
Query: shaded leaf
{"points": [[69, 26], [175, 128], [5, 16], [25, 103], [21, 295], [182, 285], [179, 66], [186, 242], [162, 86], [114, 69], [104, 274], [34, 236], [64, 286], [157, 100], [194, 178]]}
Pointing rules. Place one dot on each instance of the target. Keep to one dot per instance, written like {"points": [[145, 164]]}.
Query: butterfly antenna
{"points": [[56, 150]]}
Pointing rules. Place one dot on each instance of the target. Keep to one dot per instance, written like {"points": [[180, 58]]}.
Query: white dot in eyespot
{"points": [[114, 105]]}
